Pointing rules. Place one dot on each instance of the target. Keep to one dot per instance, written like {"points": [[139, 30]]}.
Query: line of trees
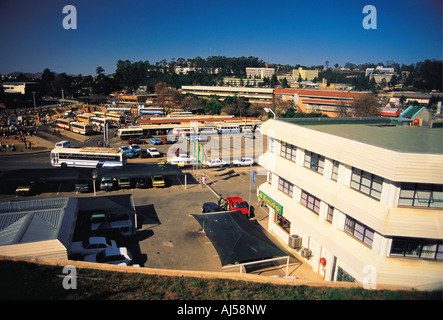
{"points": [[425, 75]]}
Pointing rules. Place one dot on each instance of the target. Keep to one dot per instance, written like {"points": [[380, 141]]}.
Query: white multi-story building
{"points": [[360, 200], [259, 73]]}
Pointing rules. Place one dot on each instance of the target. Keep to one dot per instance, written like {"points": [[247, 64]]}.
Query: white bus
{"points": [[228, 128], [100, 121], [87, 157], [81, 127], [63, 123], [183, 131], [130, 132]]}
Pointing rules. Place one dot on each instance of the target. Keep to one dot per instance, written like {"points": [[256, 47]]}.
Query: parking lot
{"points": [[168, 237]]}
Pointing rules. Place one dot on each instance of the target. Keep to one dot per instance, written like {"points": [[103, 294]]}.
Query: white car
{"points": [[153, 152], [92, 245], [118, 256], [182, 160], [215, 162], [243, 162]]}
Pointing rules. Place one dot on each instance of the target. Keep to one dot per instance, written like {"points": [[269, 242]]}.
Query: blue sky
{"points": [[287, 32]]}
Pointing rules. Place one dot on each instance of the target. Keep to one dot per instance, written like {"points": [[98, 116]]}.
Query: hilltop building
{"points": [[260, 73]]}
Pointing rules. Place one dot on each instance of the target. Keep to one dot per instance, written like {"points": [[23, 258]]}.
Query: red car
{"points": [[136, 141], [237, 204]]}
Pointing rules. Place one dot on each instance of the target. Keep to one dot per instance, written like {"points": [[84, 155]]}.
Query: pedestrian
{"points": [[203, 179]]}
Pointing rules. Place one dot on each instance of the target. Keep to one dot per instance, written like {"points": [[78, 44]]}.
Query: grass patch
{"points": [[22, 280]]}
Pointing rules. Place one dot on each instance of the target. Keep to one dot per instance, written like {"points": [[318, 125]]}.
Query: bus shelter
{"points": [[238, 242]]}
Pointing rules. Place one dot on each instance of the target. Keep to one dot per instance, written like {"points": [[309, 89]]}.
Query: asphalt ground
{"points": [[168, 237]]}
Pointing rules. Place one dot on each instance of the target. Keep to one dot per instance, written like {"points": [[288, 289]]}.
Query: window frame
{"points": [[288, 151], [416, 192], [406, 247], [282, 222], [366, 182], [284, 185], [314, 161], [310, 202], [359, 231]]}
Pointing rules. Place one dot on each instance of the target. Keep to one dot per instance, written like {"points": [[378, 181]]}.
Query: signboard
{"points": [[270, 202]]}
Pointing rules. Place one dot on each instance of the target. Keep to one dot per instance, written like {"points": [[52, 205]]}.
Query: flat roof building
{"points": [[360, 199], [255, 95]]}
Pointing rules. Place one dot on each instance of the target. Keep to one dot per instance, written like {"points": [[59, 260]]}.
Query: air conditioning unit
{"points": [[295, 241], [306, 253]]}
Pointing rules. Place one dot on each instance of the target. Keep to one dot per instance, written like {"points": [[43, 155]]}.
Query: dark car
{"points": [[141, 182], [83, 185], [211, 207], [144, 154]]}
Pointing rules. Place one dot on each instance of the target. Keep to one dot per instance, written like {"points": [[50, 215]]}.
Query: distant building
{"points": [[328, 102], [262, 96], [259, 73], [22, 88], [308, 75], [380, 73]]}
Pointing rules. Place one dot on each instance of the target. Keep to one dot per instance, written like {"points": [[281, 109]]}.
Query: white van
{"points": [[63, 144]]}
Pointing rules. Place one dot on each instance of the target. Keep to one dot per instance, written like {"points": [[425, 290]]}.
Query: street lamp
{"points": [[270, 110]]}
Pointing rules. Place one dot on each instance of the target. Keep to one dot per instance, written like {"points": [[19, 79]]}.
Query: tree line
{"points": [[128, 75]]}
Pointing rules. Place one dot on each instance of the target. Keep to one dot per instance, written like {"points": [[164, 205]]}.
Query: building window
{"points": [[359, 231], [421, 195], [270, 177], [314, 161], [330, 214], [288, 151], [343, 276], [334, 174], [282, 223], [366, 182], [285, 186], [417, 248], [310, 202], [271, 144]]}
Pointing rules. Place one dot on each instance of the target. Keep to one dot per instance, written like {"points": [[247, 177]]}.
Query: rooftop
{"points": [[384, 133]]}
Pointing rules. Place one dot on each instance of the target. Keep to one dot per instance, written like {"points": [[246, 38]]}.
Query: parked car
{"points": [[112, 225], [144, 153], [90, 246], [83, 185], [141, 183], [25, 189], [243, 162], [107, 183], [155, 141], [211, 207], [182, 160], [158, 181], [127, 151], [118, 256], [237, 204], [97, 218], [168, 140], [124, 182], [153, 152], [136, 141], [215, 162], [135, 148]]}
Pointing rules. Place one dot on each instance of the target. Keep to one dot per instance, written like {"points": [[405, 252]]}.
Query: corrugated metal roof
{"points": [[32, 220]]}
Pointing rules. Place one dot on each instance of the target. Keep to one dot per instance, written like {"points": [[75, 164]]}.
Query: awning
{"points": [[236, 239]]}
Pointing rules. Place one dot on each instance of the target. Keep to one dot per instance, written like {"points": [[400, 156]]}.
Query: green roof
{"points": [[380, 132]]}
